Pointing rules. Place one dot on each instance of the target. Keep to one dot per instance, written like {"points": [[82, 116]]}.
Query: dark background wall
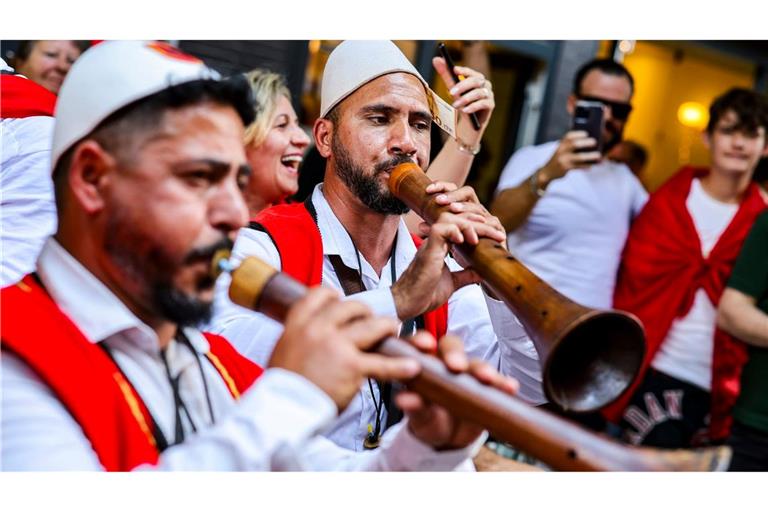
{"points": [[229, 57]]}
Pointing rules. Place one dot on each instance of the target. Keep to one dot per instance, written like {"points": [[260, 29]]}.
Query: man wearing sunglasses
{"points": [[566, 208]]}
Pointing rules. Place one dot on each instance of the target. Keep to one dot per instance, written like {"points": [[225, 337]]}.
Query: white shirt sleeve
{"points": [[493, 333], [399, 451], [380, 300], [27, 209], [38, 433], [275, 426]]}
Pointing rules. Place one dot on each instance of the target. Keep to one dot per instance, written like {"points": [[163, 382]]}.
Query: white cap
{"points": [[112, 75], [353, 64]]}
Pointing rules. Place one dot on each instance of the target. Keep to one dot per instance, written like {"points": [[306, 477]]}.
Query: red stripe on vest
{"points": [[85, 379], [240, 369], [298, 241]]}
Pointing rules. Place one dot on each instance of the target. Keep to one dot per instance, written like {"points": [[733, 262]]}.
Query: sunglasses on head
{"points": [[619, 110]]}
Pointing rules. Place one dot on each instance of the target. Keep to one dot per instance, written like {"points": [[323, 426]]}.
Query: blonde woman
{"points": [[274, 143]]}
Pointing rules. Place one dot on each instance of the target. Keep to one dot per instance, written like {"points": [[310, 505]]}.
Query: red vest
{"points": [[297, 238], [86, 380]]}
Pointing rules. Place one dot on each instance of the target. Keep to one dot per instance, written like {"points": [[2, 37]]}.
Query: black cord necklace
{"points": [[352, 282], [371, 440], [179, 405]]}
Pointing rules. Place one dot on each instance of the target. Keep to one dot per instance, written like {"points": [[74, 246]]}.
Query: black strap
{"points": [[352, 282], [259, 227], [178, 403], [349, 278], [310, 206]]}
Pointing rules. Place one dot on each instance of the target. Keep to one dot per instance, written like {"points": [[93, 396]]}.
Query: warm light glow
{"points": [[626, 46], [693, 115]]}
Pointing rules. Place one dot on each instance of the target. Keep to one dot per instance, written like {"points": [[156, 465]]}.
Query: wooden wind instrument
{"points": [[589, 357], [557, 442]]}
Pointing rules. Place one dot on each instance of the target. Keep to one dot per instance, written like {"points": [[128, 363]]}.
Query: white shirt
{"points": [[273, 426], [476, 319], [27, 206], [686, 352], [575, 234]]}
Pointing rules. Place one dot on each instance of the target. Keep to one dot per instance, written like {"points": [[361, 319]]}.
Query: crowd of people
{"points": [[122, 351]]}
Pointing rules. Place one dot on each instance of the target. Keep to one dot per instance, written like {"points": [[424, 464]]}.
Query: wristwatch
{"points": [[536, 189]]}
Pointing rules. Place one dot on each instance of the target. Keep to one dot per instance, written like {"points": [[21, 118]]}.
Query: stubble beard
{"points": [[151, 271]]}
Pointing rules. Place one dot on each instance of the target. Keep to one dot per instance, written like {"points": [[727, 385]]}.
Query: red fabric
{"points": [[22, 97], [298, 241], [436, 321], [79, 373], [243, 371], [83, 376], [663, 267]]}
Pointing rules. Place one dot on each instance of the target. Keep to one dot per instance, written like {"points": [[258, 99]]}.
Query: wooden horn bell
{"points": [[589, 357]]}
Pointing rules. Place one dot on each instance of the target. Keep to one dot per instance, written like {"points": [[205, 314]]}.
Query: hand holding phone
{"points": [[457, 78], [589, 116]]}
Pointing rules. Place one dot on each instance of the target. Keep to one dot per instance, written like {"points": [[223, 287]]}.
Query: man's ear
{"points": [[323, 133], [89, 173]]}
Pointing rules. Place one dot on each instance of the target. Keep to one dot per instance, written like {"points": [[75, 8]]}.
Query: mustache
{"points": [[207, 252], [388, 165]]}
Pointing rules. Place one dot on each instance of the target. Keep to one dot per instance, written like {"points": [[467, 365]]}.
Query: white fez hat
{"points": [[113, 74], [353, 64]]}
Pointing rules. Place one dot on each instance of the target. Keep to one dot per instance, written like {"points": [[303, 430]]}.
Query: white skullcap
{"points": [[353, 64], [111, 75]]}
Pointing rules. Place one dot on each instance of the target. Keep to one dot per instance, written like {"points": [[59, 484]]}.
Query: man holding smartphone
{"points": [[567, 209]]}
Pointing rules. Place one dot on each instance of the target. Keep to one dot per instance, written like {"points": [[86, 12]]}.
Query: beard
{"points": [[368, 189], [152, 270]]}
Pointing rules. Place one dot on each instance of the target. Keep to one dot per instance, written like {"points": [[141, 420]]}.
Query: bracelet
{"points": [[534, 183], [464, 148]]}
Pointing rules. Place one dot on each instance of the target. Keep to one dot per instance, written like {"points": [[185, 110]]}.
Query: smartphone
{"points": [[589, 117], [456, 78]]}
